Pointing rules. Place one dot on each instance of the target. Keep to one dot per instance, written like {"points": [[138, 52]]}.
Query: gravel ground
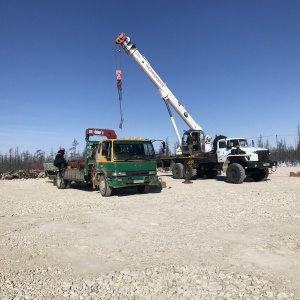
{"points": [[205, 240]]}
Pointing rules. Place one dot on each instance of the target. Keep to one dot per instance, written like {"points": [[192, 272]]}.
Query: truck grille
{"points": [[263, 155], [137, 173]]}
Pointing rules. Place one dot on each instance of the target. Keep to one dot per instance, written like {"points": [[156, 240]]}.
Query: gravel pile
{"points": [[161, 282]]}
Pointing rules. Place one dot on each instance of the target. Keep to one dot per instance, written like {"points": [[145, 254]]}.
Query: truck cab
{"points": [[124, 163], [239, 159], [225, 146]]}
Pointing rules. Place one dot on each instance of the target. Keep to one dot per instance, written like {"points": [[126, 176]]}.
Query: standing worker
{"points": [[60, 161], [189, 141]]}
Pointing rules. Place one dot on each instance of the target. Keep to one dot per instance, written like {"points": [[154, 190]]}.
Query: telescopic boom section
{"points": [[166, 94]]}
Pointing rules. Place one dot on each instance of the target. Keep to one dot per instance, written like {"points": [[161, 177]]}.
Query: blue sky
{"points": [[234, 65]]}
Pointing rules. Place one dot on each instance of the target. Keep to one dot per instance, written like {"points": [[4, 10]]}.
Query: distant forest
{"points": [[15, 160]]}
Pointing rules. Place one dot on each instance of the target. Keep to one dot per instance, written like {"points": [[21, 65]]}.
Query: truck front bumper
{"points": [[130, 181], [261, 165]]}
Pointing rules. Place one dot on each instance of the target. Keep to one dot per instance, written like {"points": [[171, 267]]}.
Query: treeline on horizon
{"points": [[15, 160]]}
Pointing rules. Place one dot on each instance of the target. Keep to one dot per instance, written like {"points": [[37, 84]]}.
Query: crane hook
{"points": [[119, 87]]}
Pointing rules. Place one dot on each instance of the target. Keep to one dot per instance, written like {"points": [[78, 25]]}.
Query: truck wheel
{"points": [[211, 174], [188, 172], [261, 175], [143, 189], [177, 171], [235, 173], [60, 182], [104, 188]]}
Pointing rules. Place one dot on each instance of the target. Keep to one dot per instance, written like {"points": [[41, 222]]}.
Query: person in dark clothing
{"points": [[189, 141], [237, 150], [60, 161]]}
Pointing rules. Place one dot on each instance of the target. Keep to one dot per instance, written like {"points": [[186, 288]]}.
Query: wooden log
{"points": [[295, 174]]}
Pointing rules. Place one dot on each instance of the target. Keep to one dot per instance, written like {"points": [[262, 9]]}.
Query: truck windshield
{"points": [[233, 142], [133, 150], [243, 143]]}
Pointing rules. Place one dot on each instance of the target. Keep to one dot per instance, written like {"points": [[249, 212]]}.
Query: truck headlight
{"points": [[118, 174], [152, 172]]}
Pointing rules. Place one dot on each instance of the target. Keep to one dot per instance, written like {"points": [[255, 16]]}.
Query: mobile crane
{"points": [[204, 161]]}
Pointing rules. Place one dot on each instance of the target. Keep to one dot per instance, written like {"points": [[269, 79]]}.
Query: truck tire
{"points": [[261, 175], [177, 171], [60, 182], [104, 188], [188, 172], [143, 189], [235, 173]]}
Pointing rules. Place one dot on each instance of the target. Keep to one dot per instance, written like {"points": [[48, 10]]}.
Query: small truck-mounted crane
{"points": [[204, 160], [113, 163]]}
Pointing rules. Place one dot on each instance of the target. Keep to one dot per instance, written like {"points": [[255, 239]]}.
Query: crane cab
{"points": [[198, 138]]}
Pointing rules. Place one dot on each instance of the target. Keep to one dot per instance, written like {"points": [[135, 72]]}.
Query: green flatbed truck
{"points": [[113, 163]]}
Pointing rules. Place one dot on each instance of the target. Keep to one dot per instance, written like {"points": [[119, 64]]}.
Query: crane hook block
{"points": [[118, 74], [120, 38]]}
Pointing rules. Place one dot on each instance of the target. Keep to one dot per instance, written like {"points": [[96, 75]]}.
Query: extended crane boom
{"points": [[166, 94]]}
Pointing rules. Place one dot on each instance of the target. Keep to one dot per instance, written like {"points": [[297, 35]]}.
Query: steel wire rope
{"points": [[118, 59]]}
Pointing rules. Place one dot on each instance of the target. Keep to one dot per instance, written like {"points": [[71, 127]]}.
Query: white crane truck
{"points": [[205, 160]]}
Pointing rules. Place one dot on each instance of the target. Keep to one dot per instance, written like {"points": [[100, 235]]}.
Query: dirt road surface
{"points": [[204, 240]]}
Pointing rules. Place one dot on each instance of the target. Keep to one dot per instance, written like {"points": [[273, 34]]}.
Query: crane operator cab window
{"points": [[194, 139]]}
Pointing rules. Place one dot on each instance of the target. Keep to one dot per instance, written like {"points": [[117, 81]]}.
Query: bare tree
{"points": [[39, 156], [168, 151], [260, 142], [73, 149], [176, 146]]}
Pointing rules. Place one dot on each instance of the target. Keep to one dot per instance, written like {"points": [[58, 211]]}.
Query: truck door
{"points": [[104, 151], [221, 151]]}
